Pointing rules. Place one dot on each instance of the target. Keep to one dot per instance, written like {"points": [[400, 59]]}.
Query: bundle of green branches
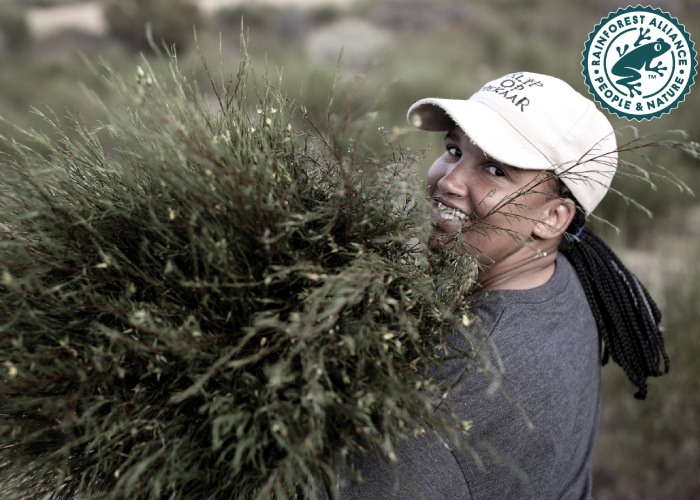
{"points": [[216, 305]]}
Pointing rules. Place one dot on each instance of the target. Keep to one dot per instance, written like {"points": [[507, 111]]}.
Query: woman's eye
{"points": [[495, 170], [454, 151]]}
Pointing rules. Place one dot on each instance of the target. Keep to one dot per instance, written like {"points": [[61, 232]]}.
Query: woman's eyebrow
{"points": [[451, 136]]}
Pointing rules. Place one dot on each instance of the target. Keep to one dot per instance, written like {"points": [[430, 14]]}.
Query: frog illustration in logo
{"points": [[631, 61]]}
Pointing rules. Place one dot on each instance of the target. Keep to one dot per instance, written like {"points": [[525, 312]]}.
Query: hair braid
{"points": [[626, 315]]}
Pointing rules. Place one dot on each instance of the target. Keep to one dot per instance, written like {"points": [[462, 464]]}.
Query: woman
{"points": [[526, 160]]}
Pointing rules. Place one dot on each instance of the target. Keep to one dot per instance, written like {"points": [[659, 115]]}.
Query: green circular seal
{"points": [[639, 62]]}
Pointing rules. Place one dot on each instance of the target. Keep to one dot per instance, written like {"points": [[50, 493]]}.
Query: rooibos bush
{"points": [[222, 305]]}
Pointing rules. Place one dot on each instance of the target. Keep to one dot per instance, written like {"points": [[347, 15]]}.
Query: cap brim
{"points": [[497, 137]]}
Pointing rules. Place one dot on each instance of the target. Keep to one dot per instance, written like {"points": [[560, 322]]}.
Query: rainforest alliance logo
{"points": [[639, 62]]}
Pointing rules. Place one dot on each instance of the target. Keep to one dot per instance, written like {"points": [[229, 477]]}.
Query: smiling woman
{"points": [[478, 189], [526, 160]]}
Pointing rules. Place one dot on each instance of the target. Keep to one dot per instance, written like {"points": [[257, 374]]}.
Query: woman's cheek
{"points": [[433, 176]]}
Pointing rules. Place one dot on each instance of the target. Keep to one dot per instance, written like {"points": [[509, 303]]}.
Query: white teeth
{"points": [[450, 213]]}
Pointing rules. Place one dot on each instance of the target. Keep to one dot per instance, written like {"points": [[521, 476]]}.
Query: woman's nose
{"points": [[453, 182]]}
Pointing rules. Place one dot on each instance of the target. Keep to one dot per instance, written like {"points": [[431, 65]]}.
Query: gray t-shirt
{"points": [[542, 432]]}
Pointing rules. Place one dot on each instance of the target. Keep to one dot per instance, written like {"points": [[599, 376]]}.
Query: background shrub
{"points": [[171, 21], [14, 31], [652, 450]]}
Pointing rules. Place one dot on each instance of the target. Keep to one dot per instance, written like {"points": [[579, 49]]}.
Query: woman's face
{"points": [[491, 207]]}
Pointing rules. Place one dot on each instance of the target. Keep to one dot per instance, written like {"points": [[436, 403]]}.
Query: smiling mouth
{"points": [[449, 213]]}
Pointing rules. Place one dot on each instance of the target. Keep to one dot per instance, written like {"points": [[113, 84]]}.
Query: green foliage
{"points": [[14, 31], [53, 80], [221, 306], [171, 21], [255, 17], [325, 14]]}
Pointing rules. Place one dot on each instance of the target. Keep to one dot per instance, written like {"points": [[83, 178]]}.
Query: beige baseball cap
{"points": [[536, 122]]}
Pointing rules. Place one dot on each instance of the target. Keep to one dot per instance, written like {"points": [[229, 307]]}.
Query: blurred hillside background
{"points": [[393, 53]]}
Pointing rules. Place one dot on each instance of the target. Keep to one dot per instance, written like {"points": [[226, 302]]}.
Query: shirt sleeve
{"points": [[425, 470]]}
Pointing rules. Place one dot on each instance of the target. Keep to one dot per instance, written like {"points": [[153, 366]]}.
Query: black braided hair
{"points": [[626, 315]]}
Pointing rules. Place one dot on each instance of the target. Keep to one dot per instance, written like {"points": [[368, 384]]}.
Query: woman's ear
{"points": [[557, 214]]}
